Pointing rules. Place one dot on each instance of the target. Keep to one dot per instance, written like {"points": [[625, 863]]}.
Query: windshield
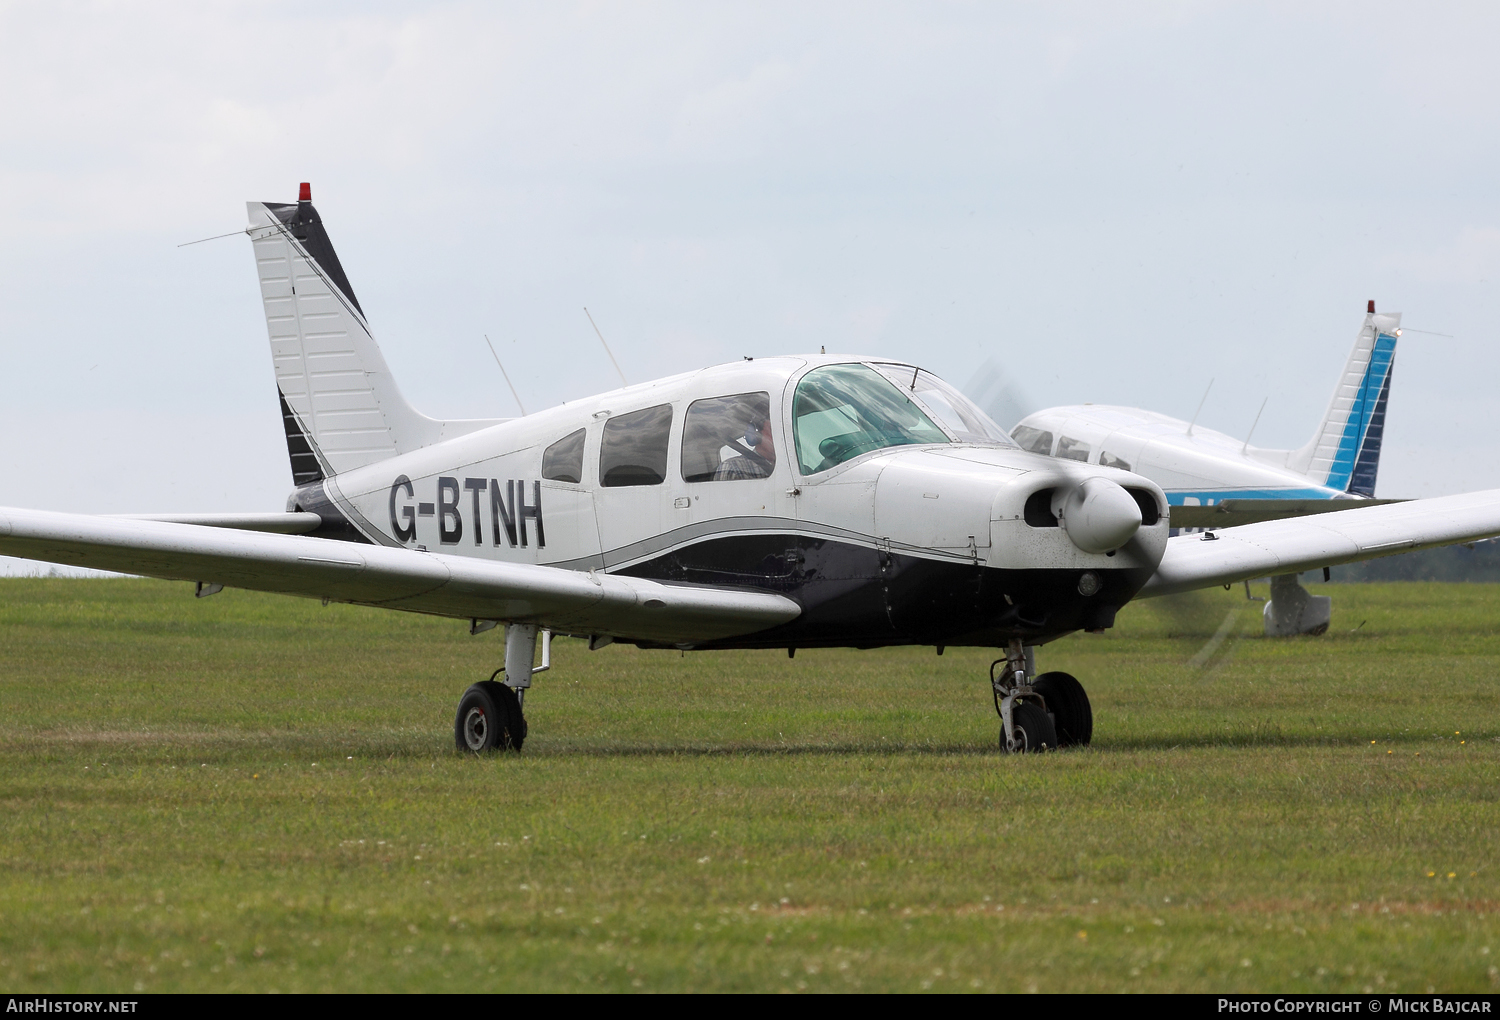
{"points": [[946, 404], [842, 411]]}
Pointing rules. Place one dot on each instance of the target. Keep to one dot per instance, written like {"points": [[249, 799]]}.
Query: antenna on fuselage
{"points": [[507, 377], [611, 353], [1200, 408], [1254, 423]]}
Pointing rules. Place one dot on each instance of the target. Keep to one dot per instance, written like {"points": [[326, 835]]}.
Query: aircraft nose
{"points": [[1097, 514]]}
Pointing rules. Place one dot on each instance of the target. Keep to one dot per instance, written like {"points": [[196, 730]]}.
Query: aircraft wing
{"points": [[298, 523], [1232, 513], [1324, 540], [566, 601]]}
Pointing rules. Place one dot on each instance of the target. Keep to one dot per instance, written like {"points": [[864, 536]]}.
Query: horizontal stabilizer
{"points": [[565, 601], [1324, 540]]}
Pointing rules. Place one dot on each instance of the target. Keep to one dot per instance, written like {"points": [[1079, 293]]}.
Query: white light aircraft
{"points": [[1214, 480], [785, 502]]}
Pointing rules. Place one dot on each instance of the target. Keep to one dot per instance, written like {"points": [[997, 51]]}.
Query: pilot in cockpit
{"points": [[756, 454]]}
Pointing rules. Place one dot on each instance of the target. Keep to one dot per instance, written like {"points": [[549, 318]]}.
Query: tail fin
{"points": [[341, 406], [1344, 452]]}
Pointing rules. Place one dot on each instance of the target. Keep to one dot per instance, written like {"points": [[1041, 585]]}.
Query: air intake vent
{"points": [[1038, 512], [1146, 500]]}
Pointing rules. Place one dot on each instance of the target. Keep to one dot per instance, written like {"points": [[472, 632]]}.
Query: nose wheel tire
{"points": [[1032, 727], [489, 719], [1066, 699]]}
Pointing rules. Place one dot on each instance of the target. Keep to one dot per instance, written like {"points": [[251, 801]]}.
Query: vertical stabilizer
{"points": [[341, 406], [1344, 452]]}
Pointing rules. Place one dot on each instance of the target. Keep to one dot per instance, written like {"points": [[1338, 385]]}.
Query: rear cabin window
{"points": [[1072, 449], [728, 438], [1033, 439], [563, 460], [633, 450], [842, 411]]}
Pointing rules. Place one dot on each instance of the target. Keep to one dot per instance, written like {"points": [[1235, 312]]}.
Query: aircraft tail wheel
{"points": [[1032, 727], [1066, 699], [489, 719]]}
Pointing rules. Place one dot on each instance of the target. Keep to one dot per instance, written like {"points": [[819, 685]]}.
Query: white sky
{"points": [[1120, 202]]}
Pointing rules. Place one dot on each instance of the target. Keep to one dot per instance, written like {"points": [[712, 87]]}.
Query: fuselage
{"points": [[892, 513], [1193, 465]]}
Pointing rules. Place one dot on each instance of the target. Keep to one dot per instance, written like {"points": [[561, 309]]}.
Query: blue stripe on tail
{"points": [[1358, 457]]}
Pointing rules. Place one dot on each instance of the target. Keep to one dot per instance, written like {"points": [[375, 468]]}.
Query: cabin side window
{"points": [[728, 438], [842, 411], [1033, 439], [633, 450], [563, 460], [1069, 448], [1110, 460]]}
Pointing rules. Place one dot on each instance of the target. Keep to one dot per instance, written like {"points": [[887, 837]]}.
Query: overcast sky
{"points": [[1118, 202]]}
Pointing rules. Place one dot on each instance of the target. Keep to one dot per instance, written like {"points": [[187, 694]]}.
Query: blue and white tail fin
{"points": [[1344, 452], [341, 406]]}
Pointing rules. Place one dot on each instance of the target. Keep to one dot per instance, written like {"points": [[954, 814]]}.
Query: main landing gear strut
{"points": [[1040, 714], [489, 714]]}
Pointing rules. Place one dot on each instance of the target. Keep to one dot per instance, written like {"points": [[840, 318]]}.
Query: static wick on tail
{"points": [[611, 353], [507, 376]]}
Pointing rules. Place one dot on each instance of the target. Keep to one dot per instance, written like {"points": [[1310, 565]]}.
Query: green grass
{"points": [[251, 793]]}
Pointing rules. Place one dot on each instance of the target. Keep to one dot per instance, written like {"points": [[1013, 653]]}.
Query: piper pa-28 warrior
{"points": [[1214, 480], [785, 502]]}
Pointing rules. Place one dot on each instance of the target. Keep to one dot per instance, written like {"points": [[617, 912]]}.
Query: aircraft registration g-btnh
{"points": [[785, 502]]}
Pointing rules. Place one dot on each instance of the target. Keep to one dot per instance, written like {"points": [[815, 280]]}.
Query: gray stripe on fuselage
{"points": [[361, 523], [728, 527]]}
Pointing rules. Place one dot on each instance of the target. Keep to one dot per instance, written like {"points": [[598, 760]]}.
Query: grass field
{"points": [[252, 793]]}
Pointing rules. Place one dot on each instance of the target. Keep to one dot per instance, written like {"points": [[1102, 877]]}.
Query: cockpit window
{"points": [[1033, 439], [563, 460], [633, 450], [947, 405], [1107, 459], [1069, 448], [842, 411], [728, 438]]}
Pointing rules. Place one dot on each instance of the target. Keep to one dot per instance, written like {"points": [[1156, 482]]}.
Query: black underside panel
{"points": [[853, 595]]}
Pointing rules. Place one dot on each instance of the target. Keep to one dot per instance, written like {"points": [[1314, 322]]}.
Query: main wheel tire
{"points": [[1072, 715], [1032, 727], [515, 720], [489, 719]]}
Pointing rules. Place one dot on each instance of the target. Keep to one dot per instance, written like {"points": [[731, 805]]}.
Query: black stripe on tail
{"points": [[305, 466], [307, 227]]}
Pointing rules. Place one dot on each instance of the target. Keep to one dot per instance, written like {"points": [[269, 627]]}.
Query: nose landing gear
{"points": [[1046, 713]]}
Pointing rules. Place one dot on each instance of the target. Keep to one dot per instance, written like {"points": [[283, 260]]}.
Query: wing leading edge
{"points": [[568, 601], [1325, 540]]}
